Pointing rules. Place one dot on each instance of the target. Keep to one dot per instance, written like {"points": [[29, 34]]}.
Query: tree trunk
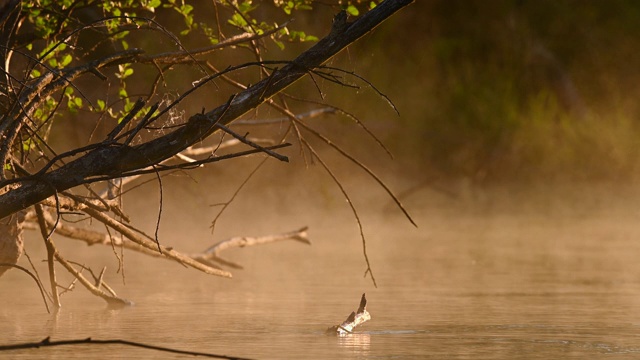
{"points": [[110, 160], [11, 244]]}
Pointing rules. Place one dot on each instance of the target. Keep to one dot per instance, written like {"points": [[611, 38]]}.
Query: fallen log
{"points": [[355, 318]]}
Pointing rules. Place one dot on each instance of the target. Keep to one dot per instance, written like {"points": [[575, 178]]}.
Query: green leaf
{"points": [[127, 73], [237, 20], [246, 7], [279, 43], [7, 166], [125, 45], [68, 91], [186, 9], [121, 35], [352, 10], [101, 104], [122, 93], [26, 145], [66, 60], [154, 3], [78, 102], [128, 106]]}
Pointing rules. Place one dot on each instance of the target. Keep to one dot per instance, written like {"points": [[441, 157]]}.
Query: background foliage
{"points": [[479, 85]]}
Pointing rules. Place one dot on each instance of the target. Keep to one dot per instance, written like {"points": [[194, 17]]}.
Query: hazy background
{"points": [[515, 152], [522, 107]]}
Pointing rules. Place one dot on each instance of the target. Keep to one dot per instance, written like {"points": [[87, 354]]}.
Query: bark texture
{"points": [[113, 160]]}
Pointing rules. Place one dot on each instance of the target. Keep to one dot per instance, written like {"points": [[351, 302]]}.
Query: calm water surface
{"points": [[487, 282]]}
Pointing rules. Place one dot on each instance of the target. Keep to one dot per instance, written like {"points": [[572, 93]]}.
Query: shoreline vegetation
{"points": [[512, 90]]}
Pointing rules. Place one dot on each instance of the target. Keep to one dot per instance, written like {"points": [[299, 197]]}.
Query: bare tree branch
{"points": [[151, 245], [212, 253], [110, 161], [51, 253], [89, 341], [112, 300], [353, 209], [44, 299]]}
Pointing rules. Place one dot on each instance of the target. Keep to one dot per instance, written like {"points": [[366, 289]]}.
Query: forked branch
{"points": [[114, 160]]}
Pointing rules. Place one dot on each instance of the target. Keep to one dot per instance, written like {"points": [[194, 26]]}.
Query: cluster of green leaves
{"points": [[290, 5], [353, 7], [53, 23], [56, 28]]}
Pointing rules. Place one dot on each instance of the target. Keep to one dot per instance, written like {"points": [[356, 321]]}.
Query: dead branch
{"points": [[206, 257], [295, 120], [353, 209], [151, 245], [226, 204], [44, 299], [51, 253], [245, 140], [91, 237], [306, 115], [185, 156], [360, 165], [89, 341], [112, 300], [178, 57], [111, 161], [212, 253], [118, 156]]}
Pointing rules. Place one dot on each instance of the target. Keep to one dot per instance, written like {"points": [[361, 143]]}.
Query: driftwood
{"points": [[356, 318]]}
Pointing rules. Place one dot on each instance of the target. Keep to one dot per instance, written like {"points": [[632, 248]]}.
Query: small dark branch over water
{"points": [[47, 342]]}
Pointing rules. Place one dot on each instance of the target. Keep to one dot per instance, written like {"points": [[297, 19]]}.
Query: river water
{"points": [[533, 277]]}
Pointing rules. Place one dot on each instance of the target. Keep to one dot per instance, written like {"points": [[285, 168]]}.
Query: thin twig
{"points": [[190, 165], [353, 209], [306, 115], [149, 244], [112, 300], [244, 140], [213, 252], [393, 106], [362, 166], [228, 202], [44, 299], [47, 343], [50, 255], [35, 271], [159, 210]]}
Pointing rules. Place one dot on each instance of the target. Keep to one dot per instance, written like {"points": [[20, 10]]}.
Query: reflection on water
{"points": [[358, 342], [468, 284]]}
